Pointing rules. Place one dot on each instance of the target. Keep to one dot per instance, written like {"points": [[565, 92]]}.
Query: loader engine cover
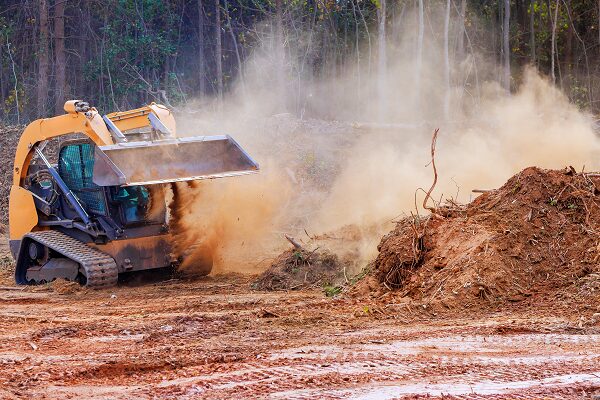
{"points": [[170, 160]]}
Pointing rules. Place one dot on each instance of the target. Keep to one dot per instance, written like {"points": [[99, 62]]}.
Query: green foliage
{"points": [[358, 277], [123, 53], [138, 44], [331, 290], [298, 256]]}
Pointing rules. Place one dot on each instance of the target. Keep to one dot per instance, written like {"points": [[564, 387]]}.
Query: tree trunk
{"points": [[235, 45], [218, 50], [419, 63], [461, 31], [2, 85], [569, 45], [381, 59], [60, 55], [506, 45], [83, 33], [532, 30], [447, 61], [279, 50], [553, 43], [42, 81], [201, 58]]}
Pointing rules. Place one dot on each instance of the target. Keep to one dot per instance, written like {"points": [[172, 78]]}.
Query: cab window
{"points": [[133, 201], [76, 167]]}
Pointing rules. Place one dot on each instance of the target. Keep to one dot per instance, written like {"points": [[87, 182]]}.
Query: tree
{"points": [[60, 55], [218, 50], [419, 62], [553, 41], [447, 61], [506, 45], [460, 42], [381, 57], [123, 53], [201, 45], [532, 30], [279, 48], [42, 78]]}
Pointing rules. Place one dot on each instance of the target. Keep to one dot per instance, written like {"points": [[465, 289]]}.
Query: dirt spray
{"points": [[350, 154]]}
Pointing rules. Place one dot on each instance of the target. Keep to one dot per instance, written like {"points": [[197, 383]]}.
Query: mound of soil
{"points": [[300, 268], [537, 237]]}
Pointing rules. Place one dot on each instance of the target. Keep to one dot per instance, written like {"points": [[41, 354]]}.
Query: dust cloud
{"points": [[342, 149], [226, 221]]}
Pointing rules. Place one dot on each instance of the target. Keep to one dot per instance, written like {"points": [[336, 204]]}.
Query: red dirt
{"points": [[535, 240], [496, 299], [215, 338]]}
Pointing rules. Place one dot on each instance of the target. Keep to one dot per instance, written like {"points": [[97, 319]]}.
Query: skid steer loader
{"points": [[100, 209]]}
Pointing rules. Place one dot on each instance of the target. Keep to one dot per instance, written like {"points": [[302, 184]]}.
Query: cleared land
{"points": [[217, 338]]}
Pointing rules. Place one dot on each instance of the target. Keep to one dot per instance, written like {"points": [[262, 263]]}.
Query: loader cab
{"points": [[133, 203], [123, 206]]}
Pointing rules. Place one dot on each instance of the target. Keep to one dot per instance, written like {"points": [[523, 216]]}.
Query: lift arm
{"points": [[79, 118], [89, 123]]}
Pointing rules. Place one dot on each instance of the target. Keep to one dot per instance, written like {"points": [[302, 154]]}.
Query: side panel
{"points": [[139, 253], [22, 213]]}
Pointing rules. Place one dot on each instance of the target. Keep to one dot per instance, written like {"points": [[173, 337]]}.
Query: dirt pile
{"points": [[331, 260], [535, 238], [62, 286], [300, 269]]}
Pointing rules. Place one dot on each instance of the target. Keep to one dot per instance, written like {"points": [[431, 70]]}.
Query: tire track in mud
{"points": [[201, 344], [471, 368]]}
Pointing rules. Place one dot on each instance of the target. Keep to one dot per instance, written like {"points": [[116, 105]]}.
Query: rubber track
{"points": [[100, 268]]}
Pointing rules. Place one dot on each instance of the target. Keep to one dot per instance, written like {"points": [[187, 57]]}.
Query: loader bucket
{"points": [[170, 160]]}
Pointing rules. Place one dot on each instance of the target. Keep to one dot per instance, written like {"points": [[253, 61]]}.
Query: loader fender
{"points": [[22, 213]]}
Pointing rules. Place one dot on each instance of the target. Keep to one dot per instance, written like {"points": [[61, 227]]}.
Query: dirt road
{"points": [[216, 338]]}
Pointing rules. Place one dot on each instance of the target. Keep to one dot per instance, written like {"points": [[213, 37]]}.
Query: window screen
{"points": [[76, 166]]}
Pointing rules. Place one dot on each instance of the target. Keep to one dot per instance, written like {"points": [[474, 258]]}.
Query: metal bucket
{"points": [[170, 160]]}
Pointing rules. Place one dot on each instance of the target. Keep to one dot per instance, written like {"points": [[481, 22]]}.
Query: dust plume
{"points": [[341, 149], [220, 222], [535, 126]]}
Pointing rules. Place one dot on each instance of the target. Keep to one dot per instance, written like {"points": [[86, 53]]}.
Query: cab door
{"points": [[76, 167]]}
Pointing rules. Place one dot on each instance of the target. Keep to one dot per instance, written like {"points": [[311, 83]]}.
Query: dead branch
{"points": [[311, 254], [481, 190], [293, 241], [435, 175]]}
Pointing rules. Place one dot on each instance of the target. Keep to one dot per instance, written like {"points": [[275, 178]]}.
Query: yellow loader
{"points": [[100, 209]]}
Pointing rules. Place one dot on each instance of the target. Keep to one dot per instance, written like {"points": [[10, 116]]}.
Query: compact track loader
{"points": [[100, 209]]}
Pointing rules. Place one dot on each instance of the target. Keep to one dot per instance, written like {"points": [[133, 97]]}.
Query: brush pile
{"points": [[537, 238], [299, 268]]}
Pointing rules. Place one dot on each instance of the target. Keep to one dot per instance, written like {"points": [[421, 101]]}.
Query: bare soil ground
{"points": [[217, 338], [496, 299]]}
